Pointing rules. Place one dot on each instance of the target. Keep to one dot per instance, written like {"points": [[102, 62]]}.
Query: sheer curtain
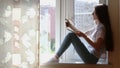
{"points": [[18, 33]]}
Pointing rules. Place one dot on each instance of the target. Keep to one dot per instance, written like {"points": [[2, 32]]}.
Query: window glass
{"points": [[47, 29], [83, 13]]}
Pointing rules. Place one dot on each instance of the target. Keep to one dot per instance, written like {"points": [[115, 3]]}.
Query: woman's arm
{"points": [[96, 44]]}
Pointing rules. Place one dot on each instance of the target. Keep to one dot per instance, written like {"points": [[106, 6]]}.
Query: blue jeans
{"points": [[80, 48]]}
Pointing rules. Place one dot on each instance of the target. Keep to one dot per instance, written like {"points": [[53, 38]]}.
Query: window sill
{"points": [[62, 65]]}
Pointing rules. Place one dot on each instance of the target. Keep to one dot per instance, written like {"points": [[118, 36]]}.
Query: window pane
{"points": [[84, 6], [83, 10], [47, 29]]}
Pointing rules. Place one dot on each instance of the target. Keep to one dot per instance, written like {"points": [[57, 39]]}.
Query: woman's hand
{"points": [[71, 26], [67, 23]]}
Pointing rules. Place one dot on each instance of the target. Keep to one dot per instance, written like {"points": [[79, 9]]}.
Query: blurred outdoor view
{"points": [[83, 13], [47, 29]]}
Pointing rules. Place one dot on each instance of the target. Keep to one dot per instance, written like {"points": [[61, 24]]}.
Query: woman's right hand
{"points": [[67, 23]]}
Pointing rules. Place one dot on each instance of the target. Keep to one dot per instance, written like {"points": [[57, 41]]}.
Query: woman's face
{"points": [[94, 15]]}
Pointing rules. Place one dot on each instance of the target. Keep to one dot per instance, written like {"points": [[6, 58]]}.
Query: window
{"points": [[80, 12]]}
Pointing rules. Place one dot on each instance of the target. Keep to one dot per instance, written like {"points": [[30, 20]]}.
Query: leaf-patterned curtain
{"points": [[18, 33]]}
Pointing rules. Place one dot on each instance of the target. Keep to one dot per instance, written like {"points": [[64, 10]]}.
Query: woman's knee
{"points": [[71, 34]]}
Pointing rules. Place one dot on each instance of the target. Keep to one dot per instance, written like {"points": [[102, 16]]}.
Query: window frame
{"points": [[59, 35], [66, 7]]}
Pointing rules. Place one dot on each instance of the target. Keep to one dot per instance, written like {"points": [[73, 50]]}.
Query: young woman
{"points": [[99, 38]]}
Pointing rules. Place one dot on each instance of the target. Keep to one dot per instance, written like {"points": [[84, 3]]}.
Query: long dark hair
{"points": [[103, 16]]}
